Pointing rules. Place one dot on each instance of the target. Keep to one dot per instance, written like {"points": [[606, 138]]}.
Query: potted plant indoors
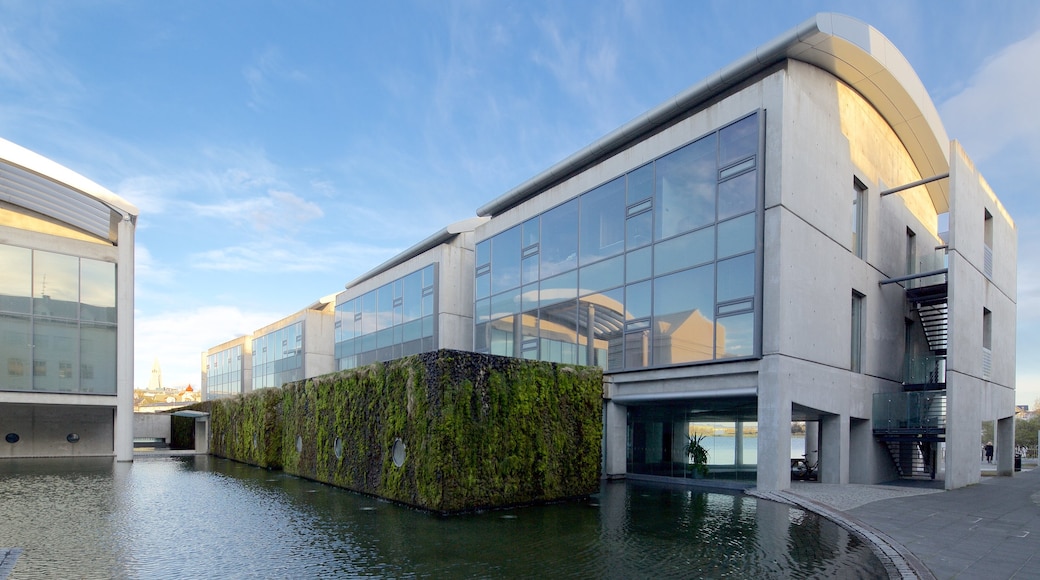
{"points": [[698, 455]]}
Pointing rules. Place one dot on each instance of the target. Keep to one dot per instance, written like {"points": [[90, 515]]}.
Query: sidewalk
{"points": [[990, 530]]}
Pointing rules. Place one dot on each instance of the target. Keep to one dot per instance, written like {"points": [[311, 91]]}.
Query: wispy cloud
{"points": [[276, 210], [268, 68], [997, 108], [178, 337], [289, 255]]}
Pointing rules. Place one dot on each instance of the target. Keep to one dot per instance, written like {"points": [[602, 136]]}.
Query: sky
{"points": [[279, 149]]}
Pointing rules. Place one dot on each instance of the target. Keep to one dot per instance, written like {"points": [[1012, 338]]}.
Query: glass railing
{"points": [[930, 262], [925, 369], [910, 411]]}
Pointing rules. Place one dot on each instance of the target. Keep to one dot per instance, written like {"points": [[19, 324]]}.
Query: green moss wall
{"points": [[478, 431]]}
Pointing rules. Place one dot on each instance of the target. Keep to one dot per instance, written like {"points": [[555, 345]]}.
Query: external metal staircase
{"points": [[912, 423]]}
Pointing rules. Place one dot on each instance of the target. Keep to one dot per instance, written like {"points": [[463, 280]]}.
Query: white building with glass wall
{"points": [[793, 241], [746, 256], [420, 300], [66, 312]]}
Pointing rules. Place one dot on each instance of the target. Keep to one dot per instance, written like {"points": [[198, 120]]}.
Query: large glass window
{"points": [[57, 322], [656, 267], [397, 319], [224, 373], [278, 357]]}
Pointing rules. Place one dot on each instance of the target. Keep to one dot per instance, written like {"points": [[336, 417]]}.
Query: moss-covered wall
{"points": [[478, 431]]}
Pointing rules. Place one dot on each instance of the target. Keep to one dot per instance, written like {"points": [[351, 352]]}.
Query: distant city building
{"points": [[66, 312], [794, 239]]}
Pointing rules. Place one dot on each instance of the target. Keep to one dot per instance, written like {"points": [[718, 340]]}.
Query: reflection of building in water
{"points": [[66, 312], [764, 248]]}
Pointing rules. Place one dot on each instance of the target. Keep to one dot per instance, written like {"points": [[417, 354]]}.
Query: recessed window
{"points": [[12, 438], [859, 200], [856, 333], [72, 438]]}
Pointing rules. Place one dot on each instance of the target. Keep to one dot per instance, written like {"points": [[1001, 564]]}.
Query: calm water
{"points": [[203, 517]]}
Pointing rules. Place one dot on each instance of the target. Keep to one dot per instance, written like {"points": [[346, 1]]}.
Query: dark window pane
{"points": [[686, 181], [602, 221]]}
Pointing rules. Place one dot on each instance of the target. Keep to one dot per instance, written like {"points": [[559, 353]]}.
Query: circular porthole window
{"points": [[72, 438], [337, 448], [12, 438], [299, 444], [399, 452]]}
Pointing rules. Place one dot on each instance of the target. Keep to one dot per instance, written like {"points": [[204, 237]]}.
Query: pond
{"points": [[201, 516]]}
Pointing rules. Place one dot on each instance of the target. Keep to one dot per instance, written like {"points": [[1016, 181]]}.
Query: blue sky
{"points": [[279, 149]]}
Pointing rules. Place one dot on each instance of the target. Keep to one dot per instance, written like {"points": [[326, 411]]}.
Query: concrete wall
{"points": [[43, 430], [152, 425]]}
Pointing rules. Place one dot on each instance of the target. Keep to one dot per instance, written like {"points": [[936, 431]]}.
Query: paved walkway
{"points": [[990, 530]]}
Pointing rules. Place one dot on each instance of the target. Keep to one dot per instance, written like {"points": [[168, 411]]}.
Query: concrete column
{"points": [[812, 442], [963, 425], [774, 442], [834, 449], [123, 429], [615, 438], [738, 442], [1005, 446]]}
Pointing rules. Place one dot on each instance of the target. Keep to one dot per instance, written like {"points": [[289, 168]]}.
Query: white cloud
{"points": [[284, 255], [269, 68], [997, 108], [177, 338], [280, 210]]}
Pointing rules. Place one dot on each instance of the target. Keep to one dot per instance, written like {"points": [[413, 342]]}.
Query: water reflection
{"points": [[206, 517]]}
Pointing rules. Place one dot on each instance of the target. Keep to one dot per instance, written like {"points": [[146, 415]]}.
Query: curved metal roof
{"points": [[849, 49], [36, 183]]}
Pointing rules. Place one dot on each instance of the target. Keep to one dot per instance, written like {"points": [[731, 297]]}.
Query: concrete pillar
{"points": [[123, 429], [615, 438], [963, 425], [834, 449], [738, 442], [812, 442], [774, 442], [1005, 446]]}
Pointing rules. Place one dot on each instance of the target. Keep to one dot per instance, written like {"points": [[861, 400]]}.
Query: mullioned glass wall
{"points": [[394, 320], [57, 322], [278, 357], [224, 373], [657, 267]]}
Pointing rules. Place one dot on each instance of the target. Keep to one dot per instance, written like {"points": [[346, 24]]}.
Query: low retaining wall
{"points": [[445, 431]]}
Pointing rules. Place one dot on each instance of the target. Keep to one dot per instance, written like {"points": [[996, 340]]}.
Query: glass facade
{"points": [[224, 373], [278, 357], [656, 267], [57, 322], [394, 320]]}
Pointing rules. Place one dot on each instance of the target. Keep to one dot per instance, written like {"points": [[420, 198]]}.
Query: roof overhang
{"points": [[36, 183], [849, 49]]}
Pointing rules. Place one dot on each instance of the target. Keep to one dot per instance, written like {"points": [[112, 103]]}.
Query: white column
{"points": [[124, 415]]}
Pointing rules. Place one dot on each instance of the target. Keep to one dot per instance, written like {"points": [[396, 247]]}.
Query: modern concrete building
{"points": [[418, 301], [227, 369], [295, 347], [792, 241], [66, 312], [764, 248]]}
